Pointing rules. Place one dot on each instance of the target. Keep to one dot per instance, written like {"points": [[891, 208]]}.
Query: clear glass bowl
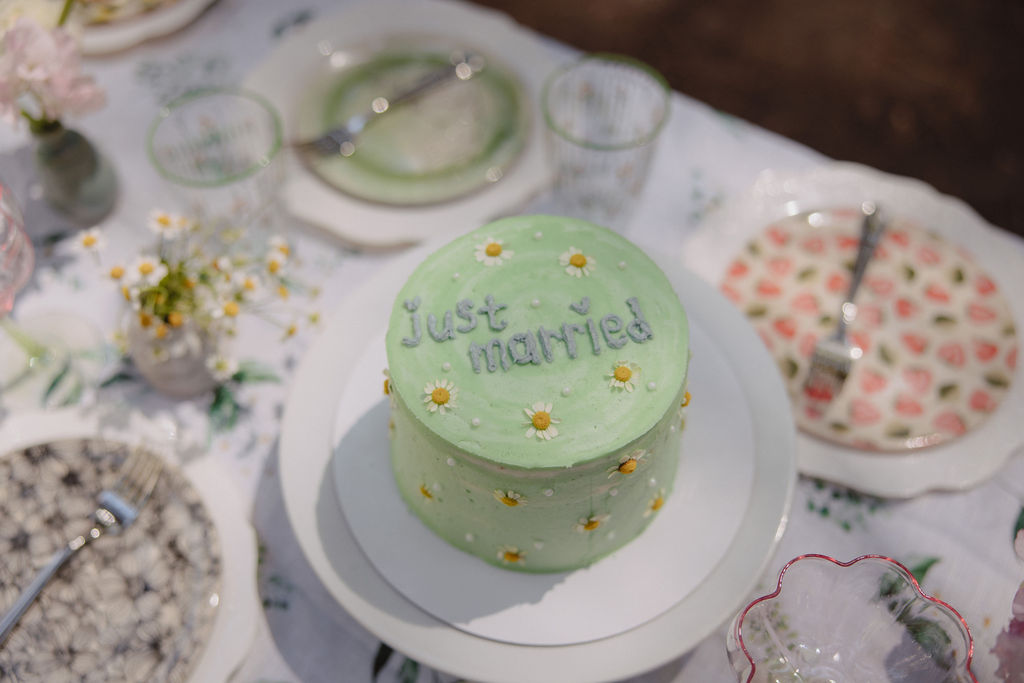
{"points": [[863, 620]]}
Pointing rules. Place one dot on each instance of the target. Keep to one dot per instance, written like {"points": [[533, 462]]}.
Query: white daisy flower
{"points": [[510, 498], [249, 285], [89, 241], [146, 271], [655, 503], [627, 463], [576, 263], [623, 375], [276, 262], [221, 367], [590, 523], [510, 554], [440, 395], [491, 252], [541, 424], [278, 244], [167, 225]]}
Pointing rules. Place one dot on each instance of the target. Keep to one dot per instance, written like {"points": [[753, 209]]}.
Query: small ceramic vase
{"points": [[174, 365], [77, 179]]}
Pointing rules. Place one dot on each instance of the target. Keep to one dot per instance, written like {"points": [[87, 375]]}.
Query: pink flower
{"points": [[43, 65]]}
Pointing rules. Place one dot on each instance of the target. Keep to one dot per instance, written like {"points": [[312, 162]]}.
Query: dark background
{"points": [[932, 89]]}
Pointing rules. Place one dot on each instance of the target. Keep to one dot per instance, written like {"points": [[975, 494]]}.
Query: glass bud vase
{"points": [[174, 364], [77, 179]]}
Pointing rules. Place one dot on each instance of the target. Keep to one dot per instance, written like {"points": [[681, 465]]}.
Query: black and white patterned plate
{"points": [[138, 606]]}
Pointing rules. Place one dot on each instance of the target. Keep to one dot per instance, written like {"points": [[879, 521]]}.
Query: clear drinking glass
{"points": [[16, 256], [220, 149], [603, 115]]}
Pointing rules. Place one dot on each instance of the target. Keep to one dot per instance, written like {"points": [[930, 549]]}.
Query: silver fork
{"points": [[342, 140], [117, 508], [834, 356]]}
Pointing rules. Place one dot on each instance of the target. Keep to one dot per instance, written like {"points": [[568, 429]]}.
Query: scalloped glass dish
{"points": [[460, 136], [863, 620]]}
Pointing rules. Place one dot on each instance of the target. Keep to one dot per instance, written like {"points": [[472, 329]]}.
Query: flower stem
{"points": [[65, 12], [30, 346], [41, 125]]}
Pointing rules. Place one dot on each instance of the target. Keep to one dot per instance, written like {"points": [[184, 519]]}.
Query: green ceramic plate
{"points": [[450, 141]]}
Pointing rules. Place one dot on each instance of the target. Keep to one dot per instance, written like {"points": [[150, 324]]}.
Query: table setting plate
{"points": [[130, 23], [376, 210], [171, 598], [947, 419], [318, 471]]}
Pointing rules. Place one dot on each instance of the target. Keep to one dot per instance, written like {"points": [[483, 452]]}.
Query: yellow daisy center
{"points": [[591, 524], [657, 503], [282, 292], [425, 492], [161, 331], [493, 249], [163, 221], [628, 467], [622, 373], [511, 502], [578, 260], [146, 267], [274, 266], [512, 556], [145, 319], [249, 284], [284, 249], [117, 272], [126, 293], [89, 240], [231, 309], [541, 420], [440, 396], [175, 319]]}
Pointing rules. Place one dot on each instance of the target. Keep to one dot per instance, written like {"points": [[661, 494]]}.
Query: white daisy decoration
{"points": [[623, 375], [492, 252], [627, 463], [510, 554], [440, 396], [89, 241], [577, 263], [249, 285], [280, 245], [222, 367], [146, 271], [276, 262], [509, 498], [655, 503], [541, 424], [167, 225], [590, 523]]}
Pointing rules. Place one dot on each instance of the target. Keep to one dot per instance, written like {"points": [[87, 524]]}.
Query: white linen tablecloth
{"points": [[704, 158]]}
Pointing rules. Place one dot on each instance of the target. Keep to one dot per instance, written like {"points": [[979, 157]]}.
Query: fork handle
{"points": [[33, 590]]}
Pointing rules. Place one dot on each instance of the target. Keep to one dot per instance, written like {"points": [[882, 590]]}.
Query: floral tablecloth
{"points": [[960, 543]]}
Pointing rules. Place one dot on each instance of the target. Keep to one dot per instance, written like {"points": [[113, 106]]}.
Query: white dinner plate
{"points": [[311, 501], [284, 77], [238, 607], [957, 464], [120, 34]]}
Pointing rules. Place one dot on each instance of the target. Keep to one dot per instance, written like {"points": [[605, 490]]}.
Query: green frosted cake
{"points": [[537, 377]]}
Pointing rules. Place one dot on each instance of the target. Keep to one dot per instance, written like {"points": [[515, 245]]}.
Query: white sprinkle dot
{"points": [[436, 487], [622, 265], [652, 482], [455, 276], [538, 544], [566, 391], [446, 367], [451, 462], [475, 422], [549, 492], [537, 235], [652, 385], [535, 303], [470, 537], [613, 492]]}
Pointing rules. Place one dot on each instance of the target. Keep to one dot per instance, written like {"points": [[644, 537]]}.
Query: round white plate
{"points": [[100, 39], [961, 463], [238, 609], [313, 508], [378, 225]]}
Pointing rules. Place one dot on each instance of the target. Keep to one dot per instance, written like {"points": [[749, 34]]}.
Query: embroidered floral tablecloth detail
{"points": [[137, 606], [939, 341]]}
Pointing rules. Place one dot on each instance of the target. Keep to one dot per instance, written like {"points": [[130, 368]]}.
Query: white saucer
{"points": [[958, 464], [101, 39], [366, 24], [238, 609], [716, 589]]}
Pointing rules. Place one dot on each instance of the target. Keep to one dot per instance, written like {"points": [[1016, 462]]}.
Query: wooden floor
{"points": [[932, 89]]}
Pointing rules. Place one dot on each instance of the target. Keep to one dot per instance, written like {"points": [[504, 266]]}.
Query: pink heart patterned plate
{"points": [[939, 340]]}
